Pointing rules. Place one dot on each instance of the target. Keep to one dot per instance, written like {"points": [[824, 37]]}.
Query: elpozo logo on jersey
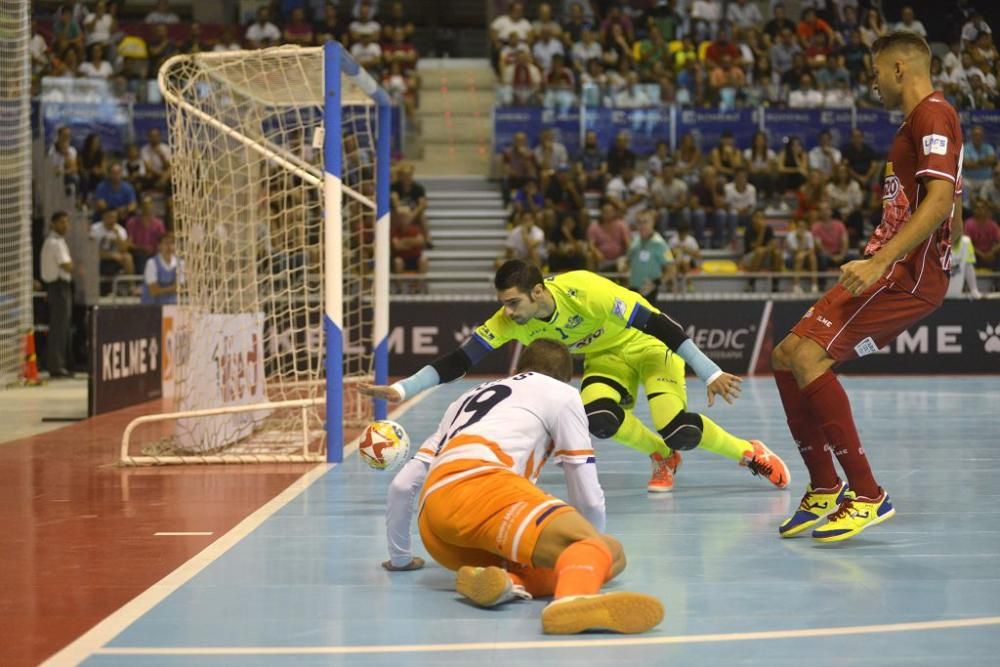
{"points": [[935, 143], [890, 186]]}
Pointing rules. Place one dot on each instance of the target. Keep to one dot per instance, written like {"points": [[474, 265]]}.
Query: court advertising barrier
{"points": [[646, 127], [125, 357], [739, 335]]}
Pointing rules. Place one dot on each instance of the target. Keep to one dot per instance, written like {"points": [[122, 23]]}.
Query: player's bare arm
{"points": [[859, 275]]}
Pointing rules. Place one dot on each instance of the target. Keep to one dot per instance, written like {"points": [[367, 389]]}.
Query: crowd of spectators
{"points": [[794, 210], [710, 53], [88, 39]]}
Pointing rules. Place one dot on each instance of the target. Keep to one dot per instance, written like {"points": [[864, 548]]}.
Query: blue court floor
{"points": [[305, 587]]}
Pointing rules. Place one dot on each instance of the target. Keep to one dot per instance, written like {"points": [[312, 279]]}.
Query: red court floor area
{"points": [[78, 532]]}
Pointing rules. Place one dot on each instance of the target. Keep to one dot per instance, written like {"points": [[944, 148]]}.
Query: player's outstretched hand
{"points": [[415, 564], [383, 392], [727, 386], [859, 275]]}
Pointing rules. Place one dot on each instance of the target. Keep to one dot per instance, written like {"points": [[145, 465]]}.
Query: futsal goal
{"points": [[280, 179]]}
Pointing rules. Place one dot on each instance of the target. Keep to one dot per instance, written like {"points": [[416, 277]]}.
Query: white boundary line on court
{"points": [[564, 643], [99, 635]]}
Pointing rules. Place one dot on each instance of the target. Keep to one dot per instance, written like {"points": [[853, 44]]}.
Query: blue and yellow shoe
{"points": [[853, 516], [812, 509]]}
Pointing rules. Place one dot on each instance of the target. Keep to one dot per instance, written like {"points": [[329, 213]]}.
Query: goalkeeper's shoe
{"points": [[611, 612], [664, 468], [812, 508], [854, 515], [762, 461], [488, 586]]}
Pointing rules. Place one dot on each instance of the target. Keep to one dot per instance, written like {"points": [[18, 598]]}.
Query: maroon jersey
{"points": [[928, 145]]}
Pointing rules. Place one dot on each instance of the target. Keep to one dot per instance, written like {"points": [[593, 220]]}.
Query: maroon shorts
{"points": [[848, 326]]}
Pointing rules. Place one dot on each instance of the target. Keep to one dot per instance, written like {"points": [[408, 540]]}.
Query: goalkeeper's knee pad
{"points": [[683, 432], [604, 417]]}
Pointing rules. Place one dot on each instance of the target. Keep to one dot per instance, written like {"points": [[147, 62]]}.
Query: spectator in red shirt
{"points": [[810, 25], [722, 46], [984, 232], [297, 30], [609, 238], [144, 232], [831, 238]]}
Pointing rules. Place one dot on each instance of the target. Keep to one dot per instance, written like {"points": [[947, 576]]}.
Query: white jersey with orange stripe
{"points": [[531, 418]]}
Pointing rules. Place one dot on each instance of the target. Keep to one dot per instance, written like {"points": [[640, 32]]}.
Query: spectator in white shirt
{"points": [[705, 17], [113, 245], [839, 96], [741, 200], [545, 21], [806, 97], [744, 14], [628, 192], [825, 156], [632, 96], [63, 158], [99, 25], [365, 25], [262, 32], [368, 52], [97, 67], [585, 50], [156, 155], [544, 48], [57, 274], [506, 24], [910, 24], [975, 26], [38, 49], [801, 254], [525, 242], [162, 14]]}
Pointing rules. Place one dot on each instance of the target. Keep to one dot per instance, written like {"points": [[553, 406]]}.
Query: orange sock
{"points": [[539, 581], [582, 568]]}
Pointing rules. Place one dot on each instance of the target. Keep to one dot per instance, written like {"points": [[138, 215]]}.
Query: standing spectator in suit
{"points": [[57, 274]]}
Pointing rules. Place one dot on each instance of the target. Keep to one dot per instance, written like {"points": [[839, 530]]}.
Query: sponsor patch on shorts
{"points": [[866, 346]]}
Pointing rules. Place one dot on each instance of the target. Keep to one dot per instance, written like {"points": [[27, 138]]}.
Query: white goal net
{"points": [[246, 132], [15, 189]]}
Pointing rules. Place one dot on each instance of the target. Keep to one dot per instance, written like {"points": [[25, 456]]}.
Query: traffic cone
{"points": [[29, 375]]}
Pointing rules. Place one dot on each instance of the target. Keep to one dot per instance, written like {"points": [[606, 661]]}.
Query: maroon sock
{"points": [[829, 404], [806, 433]]}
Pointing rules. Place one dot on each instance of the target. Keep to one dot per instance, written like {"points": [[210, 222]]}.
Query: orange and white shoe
{"points": [[762, 461], [662, 480]]}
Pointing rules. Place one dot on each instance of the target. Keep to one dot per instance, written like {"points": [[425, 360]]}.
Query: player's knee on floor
{"points": [[683, 432], [618, 561], [604, 417]]}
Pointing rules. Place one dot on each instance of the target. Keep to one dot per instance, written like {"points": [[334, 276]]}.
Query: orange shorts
{"points": [[492, 518]]}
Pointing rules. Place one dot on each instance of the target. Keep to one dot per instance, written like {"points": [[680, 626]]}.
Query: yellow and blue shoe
{"points": [[854, 515], [814, 506]]}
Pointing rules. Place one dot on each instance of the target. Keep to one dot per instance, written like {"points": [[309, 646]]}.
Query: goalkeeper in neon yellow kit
{"points": [[625, 342]]}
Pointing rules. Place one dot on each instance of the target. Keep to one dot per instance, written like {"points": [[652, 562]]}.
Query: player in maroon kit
{"points": [[902, 278]]}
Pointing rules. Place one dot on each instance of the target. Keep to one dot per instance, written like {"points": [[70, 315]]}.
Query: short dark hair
{"points": [[901, 39], [57, 215], [548, 357], [517, 273]]}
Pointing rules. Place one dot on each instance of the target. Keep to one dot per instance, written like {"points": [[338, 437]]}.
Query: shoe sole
{"points": [[622, 612], [846, 536], [484, 587], [801, 528]]}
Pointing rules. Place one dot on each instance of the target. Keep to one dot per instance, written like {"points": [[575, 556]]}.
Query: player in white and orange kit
{"points": [[482, 514], [903, 278]]}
